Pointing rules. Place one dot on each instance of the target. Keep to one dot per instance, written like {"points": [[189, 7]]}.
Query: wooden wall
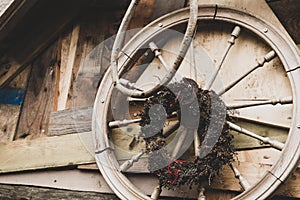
{"points": [[58, 91]]}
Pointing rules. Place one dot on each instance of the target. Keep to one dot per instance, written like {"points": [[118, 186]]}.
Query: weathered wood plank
{"points": [[87, 68], [12, 192], [9, 114], [66, 70], [251, 172], [70, 121], [49, 152], [44, 29], [93, 181], [12, 96], [85, 185], [12, 11], [8, 72], [77, 120], [265, 156], [38, 100]]}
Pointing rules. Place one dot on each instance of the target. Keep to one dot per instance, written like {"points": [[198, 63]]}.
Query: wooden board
{"points": [[265, 156], [70, 121], [79, 120], [78, 88], [93, 181], [46, 153], [43, 31], [38, 100], [9, 114], [65, 70], [87, 69], [11, 192], [43, 153]]}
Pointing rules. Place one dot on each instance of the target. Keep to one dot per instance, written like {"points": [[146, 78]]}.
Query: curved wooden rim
{"points": [[283, 47]]}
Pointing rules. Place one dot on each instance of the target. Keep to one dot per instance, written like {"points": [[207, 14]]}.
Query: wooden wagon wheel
{"points": [[135, 62]]}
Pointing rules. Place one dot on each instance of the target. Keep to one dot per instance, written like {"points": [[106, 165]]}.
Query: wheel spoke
{"points": [[281, 101], [274, 143], [156, 192], [171, 130], [235, 33], [260, 63], [154, 48], [255, 121], [181, 140], [129, 163], [129, 85], [132, 99], [243, 181], [125, 122]]}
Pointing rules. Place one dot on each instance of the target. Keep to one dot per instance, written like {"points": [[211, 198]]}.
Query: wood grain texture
{"points": [[43, 153], [38, 100], [92, 181], [16, 38], [43, 29], [9, 114], [66, 70], [87, 69], [73, 149], [70, 121], [13, 192]]}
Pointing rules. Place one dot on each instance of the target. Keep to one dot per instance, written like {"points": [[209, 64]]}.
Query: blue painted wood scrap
{"points": [[12, 96]]}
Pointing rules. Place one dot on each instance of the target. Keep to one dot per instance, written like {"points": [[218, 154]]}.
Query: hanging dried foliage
{"points": [[196, 109]]}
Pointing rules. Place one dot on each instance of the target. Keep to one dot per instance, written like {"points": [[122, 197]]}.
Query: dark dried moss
{"points": [[195, 108]]}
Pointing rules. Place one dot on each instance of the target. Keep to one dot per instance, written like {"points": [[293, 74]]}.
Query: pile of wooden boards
{"points": [[51, 64]]}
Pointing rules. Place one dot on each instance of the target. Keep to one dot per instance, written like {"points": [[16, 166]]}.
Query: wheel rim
{"points": [[288, 56]]}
